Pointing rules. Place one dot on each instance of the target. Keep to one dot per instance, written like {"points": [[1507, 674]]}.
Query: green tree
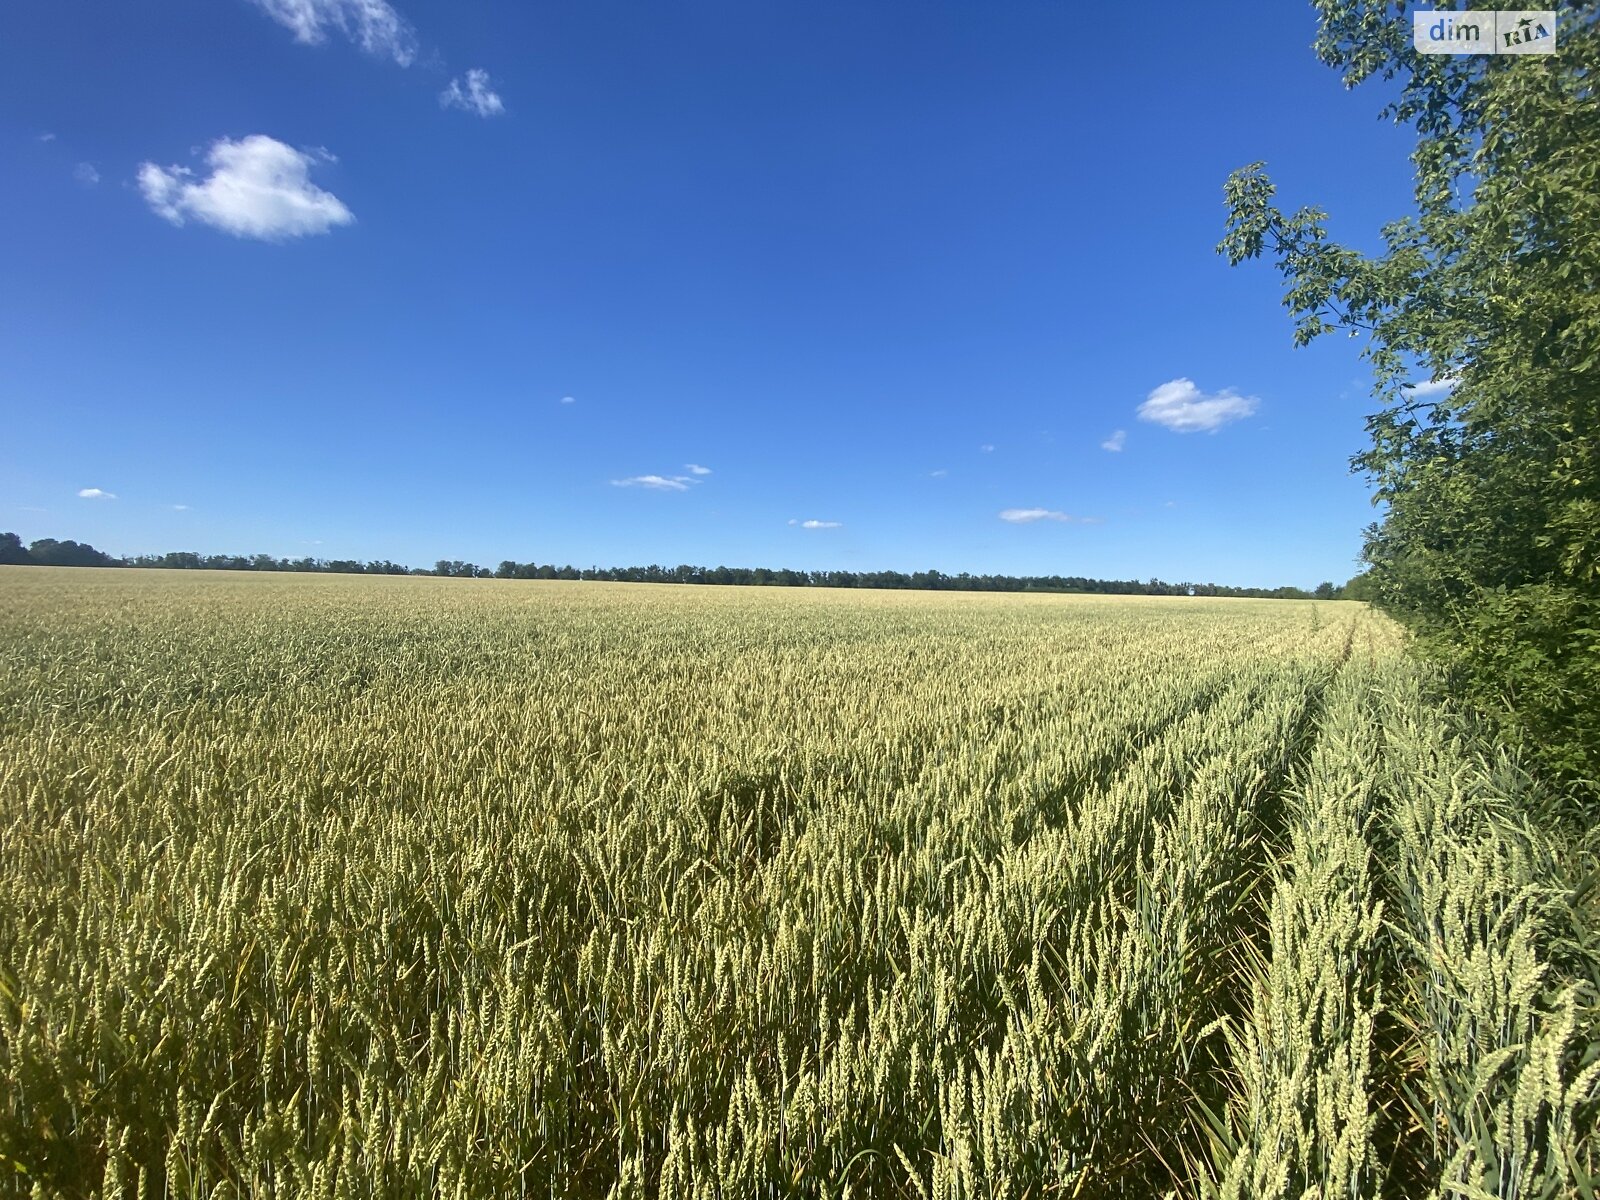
{"points": [[47, 552], [1491, 287], [1359, 587]]}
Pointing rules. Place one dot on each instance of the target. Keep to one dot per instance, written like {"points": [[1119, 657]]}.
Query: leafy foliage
{"points": [[47, 552], [1489, 547]]}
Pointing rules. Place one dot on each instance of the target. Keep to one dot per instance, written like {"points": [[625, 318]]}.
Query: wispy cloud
{"points": [[85, 174], [95, 494], [987, 447], [374, 25], [663, 483], [180, 508], [939, 474], [473, 93], [696, 469], [1432, 387], [1026, 516], [569, 399], [258, 188], [47, 136], [1183, 408], [1116, 441], [817, 524]]}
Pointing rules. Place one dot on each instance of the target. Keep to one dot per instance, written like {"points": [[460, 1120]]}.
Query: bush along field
{"points": [[381, 887]]}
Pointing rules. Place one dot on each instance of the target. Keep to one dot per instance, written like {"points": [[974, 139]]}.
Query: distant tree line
{"points": [[47, 552], [928, 581], [188, 560]]}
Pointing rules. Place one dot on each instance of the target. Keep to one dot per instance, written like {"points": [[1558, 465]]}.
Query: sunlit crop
{"points": [[323, 886]]}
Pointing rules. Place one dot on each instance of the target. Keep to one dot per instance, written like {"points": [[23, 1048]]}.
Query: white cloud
{"points": [[47, 136], [1432, 387], [987, 448], [95, 494], [1024, 516], [180, 508], [1116, 441], [816, 524], [569, 399], [472, 93], [373, 25], [1183, 408], [939, 474], [696, 469], [258, 188], [676, 483], [85, 174]]}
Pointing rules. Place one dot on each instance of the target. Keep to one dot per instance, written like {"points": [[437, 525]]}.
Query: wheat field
{"points": [[335, 886]]}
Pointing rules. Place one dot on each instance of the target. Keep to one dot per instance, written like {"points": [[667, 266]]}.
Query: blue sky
{"points": [[481, 281]]}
